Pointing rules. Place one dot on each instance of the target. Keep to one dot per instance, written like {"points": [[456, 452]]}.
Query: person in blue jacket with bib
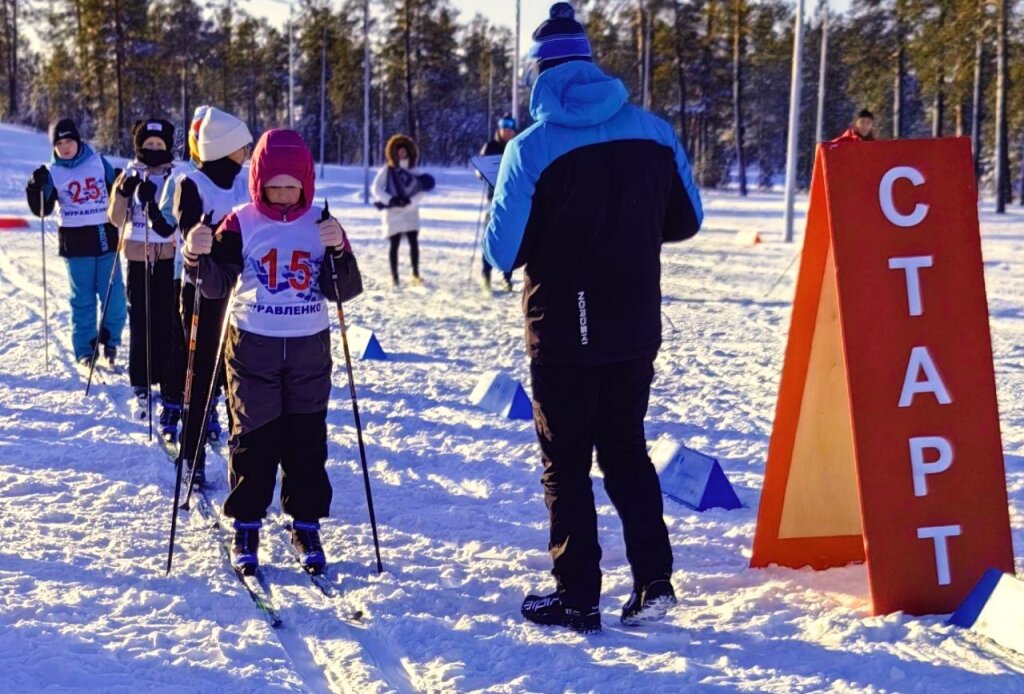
{"points": [[585, 198], [78, 184]]}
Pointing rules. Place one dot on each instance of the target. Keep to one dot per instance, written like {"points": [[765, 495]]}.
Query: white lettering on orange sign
{"points": [[885, 196], [939, 534], [910, 265]]}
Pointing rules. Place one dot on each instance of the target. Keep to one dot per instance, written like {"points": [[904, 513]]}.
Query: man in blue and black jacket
{"points": [[584, 199]]}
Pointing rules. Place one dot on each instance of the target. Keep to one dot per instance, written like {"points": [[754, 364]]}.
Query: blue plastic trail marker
{"points": [[503, 395], [364, 344], [995, 608], [691, 478]]}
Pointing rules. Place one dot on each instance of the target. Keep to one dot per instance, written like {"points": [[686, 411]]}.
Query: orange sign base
{"points": [[886, 445]]}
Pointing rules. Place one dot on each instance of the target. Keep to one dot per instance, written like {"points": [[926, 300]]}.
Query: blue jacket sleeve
{"points": [[686, 175], [510, 209], [109, 174]]}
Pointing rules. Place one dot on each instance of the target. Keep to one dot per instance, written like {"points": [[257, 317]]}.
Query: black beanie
{"points": [[64, 129], [153, 127], [559, 39], [865, 113]]}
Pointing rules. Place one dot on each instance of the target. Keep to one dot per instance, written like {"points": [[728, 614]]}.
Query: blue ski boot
{"points": [[306, 541], [245, 547]]}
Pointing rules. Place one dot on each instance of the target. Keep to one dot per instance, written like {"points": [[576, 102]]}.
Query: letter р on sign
{"points": [[886, 444]]}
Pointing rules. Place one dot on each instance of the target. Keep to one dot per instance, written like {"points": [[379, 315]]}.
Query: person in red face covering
{"points": [[277, 251]]}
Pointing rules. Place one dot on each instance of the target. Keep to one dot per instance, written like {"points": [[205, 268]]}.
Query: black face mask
{"points": [[221, 171], [154, 157]]}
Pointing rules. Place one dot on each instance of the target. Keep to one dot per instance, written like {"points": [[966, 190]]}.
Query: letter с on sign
{"points": [[886, 445]]}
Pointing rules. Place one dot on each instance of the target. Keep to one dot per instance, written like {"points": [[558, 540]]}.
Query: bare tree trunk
{"points": [[119, 69], [12, 68], [976, 111], [899, 65], [680, 70], [1002, 84], [410, 110], [938, 109], [938, 101], [705, 89], [738, 49]]}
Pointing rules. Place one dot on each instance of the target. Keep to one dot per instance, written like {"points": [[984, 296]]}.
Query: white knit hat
{"points": [[220, 134]]}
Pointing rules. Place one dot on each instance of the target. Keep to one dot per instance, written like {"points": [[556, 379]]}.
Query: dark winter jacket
{"points": [[584, 199], [75, 241], [494, 147]]}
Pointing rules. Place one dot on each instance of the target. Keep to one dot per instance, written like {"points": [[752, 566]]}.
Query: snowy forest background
{"points": [[720, 72]]}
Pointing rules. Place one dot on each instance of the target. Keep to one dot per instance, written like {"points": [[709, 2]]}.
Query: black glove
{"points": [[39, 178], [400, 201], [379, 205], [146, 193], [128, 186]]}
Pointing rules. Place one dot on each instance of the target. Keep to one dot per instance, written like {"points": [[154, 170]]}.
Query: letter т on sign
{"points": [[886, 444]]}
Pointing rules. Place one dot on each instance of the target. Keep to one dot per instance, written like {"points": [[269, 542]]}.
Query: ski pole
{"points": [[46, 310], [352, 393], [204, 432], [476, 236], [103, 310], [149, 330], [186, 400], [782, 275]]}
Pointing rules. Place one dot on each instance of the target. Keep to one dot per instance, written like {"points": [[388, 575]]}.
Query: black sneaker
{"points": [[306, 541], [245, 547], [649, 603], [549, 610]]}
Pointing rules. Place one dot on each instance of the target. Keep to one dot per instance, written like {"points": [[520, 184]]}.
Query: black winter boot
{"points": [[648, 603], [549, 610]]}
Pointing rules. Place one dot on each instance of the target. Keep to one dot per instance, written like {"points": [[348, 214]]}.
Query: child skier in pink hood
{"points": [[276, 249]]}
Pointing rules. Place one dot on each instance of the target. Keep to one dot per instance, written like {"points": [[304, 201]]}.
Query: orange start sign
{"points": [[886, 445]]}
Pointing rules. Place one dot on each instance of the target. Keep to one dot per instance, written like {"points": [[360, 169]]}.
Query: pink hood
{"points": [[278, 152]]}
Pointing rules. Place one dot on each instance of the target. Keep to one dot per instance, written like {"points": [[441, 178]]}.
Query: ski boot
{"points": [[141, 402], [648, 603], [416, 281], [213, 430], [306, 541], [197, 471], [245, 547], [549, 610], [170, 415], [506, 285], [110, 358], [485, 287]]}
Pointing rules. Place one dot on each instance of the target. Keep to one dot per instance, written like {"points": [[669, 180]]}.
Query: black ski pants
{"points": [[211, 323], [278, 391], [165, 328], [414, 252], [577, 409]]}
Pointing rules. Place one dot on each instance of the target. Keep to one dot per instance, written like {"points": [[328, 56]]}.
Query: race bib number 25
{"points": [[84, 193]]}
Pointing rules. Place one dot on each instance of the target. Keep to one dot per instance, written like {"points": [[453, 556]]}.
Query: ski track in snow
{"points": [[86, 499]]}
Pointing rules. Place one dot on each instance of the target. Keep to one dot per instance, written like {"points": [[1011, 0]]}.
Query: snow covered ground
{"points": [[85, 499]]}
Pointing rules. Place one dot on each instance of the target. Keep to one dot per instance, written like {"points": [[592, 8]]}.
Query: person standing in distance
{"points": [[862, 129], [496, 147], [585, 198]]}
